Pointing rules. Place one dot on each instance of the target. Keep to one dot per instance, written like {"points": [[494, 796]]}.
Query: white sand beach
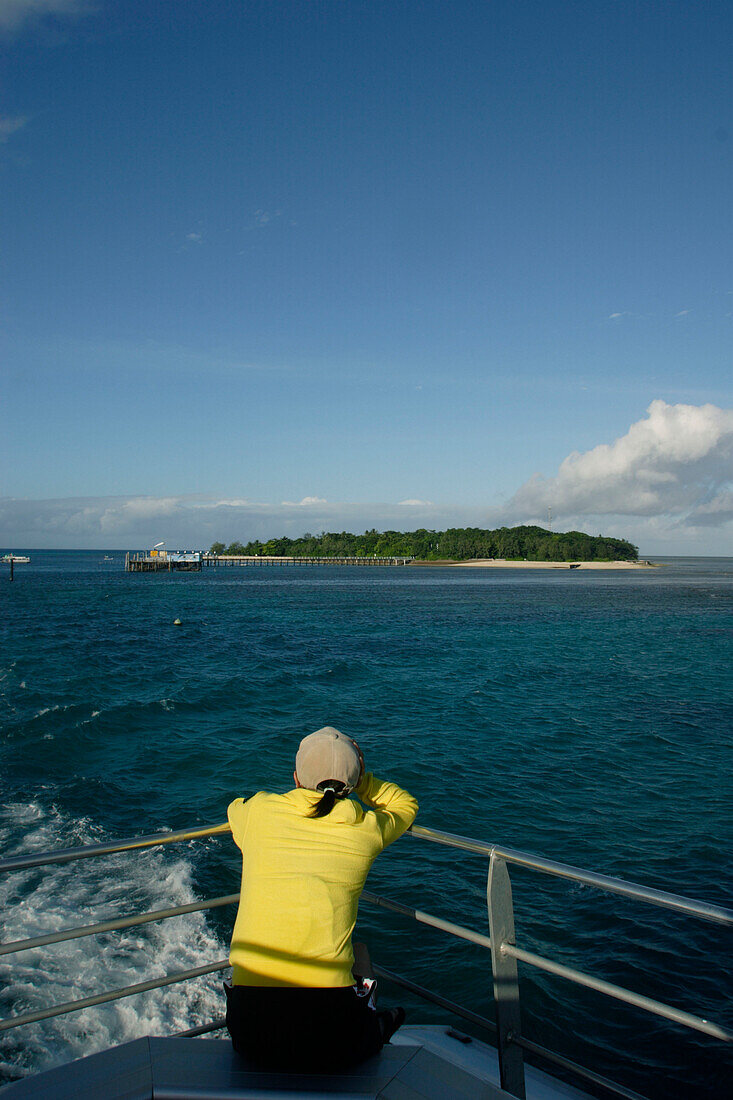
{"points": [[502, 563]]}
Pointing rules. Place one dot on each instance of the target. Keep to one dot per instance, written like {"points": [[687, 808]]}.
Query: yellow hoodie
{"points": [[302, 878]]}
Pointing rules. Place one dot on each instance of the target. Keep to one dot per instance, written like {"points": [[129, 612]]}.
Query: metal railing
{"points": [[500, 942]]}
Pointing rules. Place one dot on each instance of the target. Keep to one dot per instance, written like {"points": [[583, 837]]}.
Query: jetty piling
{"points": [[11, 559]]}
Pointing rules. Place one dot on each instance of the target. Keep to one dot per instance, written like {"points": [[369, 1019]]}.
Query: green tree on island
{"points": [[456, 544]]}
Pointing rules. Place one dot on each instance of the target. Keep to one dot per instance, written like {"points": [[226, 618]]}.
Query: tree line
{"points": [[455, 544]]}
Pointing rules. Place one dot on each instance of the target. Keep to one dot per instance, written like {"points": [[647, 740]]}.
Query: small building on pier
{"points": [[160, 560]]}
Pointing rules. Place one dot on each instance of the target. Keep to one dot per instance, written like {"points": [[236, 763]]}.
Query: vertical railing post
{"points": [[506, 983]]}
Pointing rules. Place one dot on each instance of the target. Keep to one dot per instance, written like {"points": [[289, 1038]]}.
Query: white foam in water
{"points": [[49, 899]]}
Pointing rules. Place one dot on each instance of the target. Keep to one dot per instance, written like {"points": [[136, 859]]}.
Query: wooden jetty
{"points": [[195, 562], [227, 560]]}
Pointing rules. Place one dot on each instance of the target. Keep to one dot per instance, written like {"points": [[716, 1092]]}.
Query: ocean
{"points": [[583, 716]]}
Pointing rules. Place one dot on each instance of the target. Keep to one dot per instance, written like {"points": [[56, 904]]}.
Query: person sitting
{"points": [[295, 1002]]}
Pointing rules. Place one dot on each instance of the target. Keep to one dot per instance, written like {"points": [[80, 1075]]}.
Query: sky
{"points": [[277, 266]]}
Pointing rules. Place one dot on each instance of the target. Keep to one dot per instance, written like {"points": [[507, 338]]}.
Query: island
{"points": [[504, 546]]}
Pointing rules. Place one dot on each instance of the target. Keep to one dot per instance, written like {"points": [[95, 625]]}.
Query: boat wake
{"points": [[43, 900]]}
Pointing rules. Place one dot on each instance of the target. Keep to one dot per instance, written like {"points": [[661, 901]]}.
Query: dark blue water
{"points": [[583, 716]]}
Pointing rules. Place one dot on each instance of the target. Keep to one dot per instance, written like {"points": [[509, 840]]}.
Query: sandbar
{"points": [[503, 563]]}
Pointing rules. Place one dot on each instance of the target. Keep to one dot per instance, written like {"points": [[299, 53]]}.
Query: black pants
{"points": [[292, 1028]]}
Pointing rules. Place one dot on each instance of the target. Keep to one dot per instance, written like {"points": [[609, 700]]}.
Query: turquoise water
{"points": [[582, 716]]}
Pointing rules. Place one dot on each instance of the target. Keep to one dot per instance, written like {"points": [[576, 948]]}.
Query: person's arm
{"points": [[395, 809], [237, 815]]}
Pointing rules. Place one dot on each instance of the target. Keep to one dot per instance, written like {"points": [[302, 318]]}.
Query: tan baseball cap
{"points": [[327, 754]]}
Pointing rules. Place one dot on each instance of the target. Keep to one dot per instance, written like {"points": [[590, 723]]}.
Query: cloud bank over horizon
{"points": [[198, 521], [677, 462], [667, 485]]}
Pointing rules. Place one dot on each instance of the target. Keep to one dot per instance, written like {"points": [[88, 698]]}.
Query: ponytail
{"points": [[332, 789]]}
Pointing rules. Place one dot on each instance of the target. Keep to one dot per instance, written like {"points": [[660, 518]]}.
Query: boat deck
{"points": [[421, 1063]]}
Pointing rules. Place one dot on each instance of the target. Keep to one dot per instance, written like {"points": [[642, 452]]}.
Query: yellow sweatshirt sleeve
{"points": [[237, 814], [394, 808]]}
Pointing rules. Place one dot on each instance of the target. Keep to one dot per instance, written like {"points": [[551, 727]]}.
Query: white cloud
{"points": [[148, 357], [197, 521], [714, 512], [264, 217], [15, 13], [128, 515], [677, 462], [666, 484], [10, 125], [136, 522]]}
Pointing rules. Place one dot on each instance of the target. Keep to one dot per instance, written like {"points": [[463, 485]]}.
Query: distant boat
{"points": [[107, 558], [574, 565], [16, 558]]}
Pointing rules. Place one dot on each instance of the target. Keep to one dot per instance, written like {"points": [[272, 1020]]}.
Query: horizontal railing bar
{"points": [[717, 914], [706, 911], [657, 1008], [451, 840], [574, 1067], [204, 1029], [88, 851], [435, 998], [114, 925], [457, 930], [488, 1025], [113, 995], [576, 976]]}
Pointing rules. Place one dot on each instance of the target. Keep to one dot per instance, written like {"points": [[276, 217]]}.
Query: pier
{"points": [[212, 559], [162, 563], [194, 562]]}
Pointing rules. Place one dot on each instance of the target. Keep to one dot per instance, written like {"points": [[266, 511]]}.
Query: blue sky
{"points": [[270, 267]]}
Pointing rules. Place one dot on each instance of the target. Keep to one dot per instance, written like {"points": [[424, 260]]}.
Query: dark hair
{"points": [[332, 790]]}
